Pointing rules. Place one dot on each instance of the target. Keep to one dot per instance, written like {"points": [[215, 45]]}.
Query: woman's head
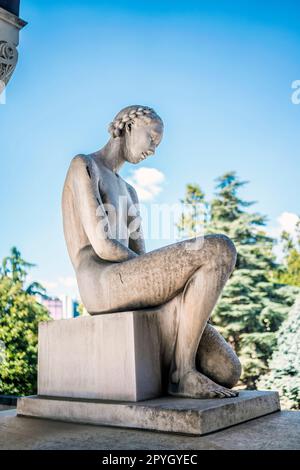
{"points": [[140, 129]]}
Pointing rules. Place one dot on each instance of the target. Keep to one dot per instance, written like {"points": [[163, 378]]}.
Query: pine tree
{"points": [[20, 314], [252, 307], [284, 374]]}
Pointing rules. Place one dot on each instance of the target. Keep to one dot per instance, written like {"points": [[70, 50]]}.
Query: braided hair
{"points": [[129, 115]]}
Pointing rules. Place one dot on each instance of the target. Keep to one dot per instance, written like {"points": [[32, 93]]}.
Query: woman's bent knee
{"points": [[217, 360], [224, 369], [232, 371], [224, 251], [212, 249]]}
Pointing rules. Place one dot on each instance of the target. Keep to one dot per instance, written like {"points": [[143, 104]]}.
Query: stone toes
{"points": [[227, 393], [232, 393], [219, 394], [212, 394]]}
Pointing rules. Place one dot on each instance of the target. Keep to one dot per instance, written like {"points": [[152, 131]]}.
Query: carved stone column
{"points": [[10, 25]]}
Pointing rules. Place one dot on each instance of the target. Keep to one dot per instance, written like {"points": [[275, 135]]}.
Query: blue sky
{"points": [[218, 72]]}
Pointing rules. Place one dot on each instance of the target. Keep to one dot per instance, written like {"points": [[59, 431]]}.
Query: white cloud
{"points": [[147, 182], [68, 281], [62, 285], [49, 285], [287, 221], [60, 282]]}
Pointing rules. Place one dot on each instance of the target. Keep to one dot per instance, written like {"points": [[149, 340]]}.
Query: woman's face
{"points": [[141, 140]]}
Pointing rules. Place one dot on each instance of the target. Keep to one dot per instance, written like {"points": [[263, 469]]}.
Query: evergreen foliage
{"points": [[290, 270], [284, 374], [20, 314], [252, 306]]}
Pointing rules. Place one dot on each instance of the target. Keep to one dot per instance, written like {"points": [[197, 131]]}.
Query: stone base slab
{"points": [[168, 414]]}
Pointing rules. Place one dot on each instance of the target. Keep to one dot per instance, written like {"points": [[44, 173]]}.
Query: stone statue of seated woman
{"points": [[114, 273]]}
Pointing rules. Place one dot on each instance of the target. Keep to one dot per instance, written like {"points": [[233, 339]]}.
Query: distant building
{"points": [[54, 307], [60, 307], [69, 307]]}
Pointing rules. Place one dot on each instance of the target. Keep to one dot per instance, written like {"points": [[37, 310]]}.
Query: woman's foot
{"points": [[193, 384]]}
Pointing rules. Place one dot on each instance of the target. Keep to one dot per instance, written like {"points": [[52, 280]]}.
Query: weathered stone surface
{"points": [[112, 357], [175, 415], [104, 237]]}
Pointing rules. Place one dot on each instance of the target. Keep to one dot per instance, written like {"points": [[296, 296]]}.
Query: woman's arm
{"points": [[93, 216], [136, 237]]}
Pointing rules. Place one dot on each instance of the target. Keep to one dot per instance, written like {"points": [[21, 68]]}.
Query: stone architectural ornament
{"points": [[10, 25], [8, 60], [181, 282]]}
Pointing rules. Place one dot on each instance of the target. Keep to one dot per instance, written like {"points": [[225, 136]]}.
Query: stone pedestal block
{"points": [[169, 414], [110, 357]]}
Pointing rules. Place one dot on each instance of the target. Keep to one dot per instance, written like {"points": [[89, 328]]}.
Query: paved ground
{"points": [[279, 430]]}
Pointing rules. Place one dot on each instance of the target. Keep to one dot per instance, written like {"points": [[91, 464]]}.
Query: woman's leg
{"points": [[198, 268], [199, 297], [153, 278], [216, 359]]}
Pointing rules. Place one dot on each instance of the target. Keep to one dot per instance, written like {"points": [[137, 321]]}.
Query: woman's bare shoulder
{"points": [[78, 168], [79, 161], [132, 191]]}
